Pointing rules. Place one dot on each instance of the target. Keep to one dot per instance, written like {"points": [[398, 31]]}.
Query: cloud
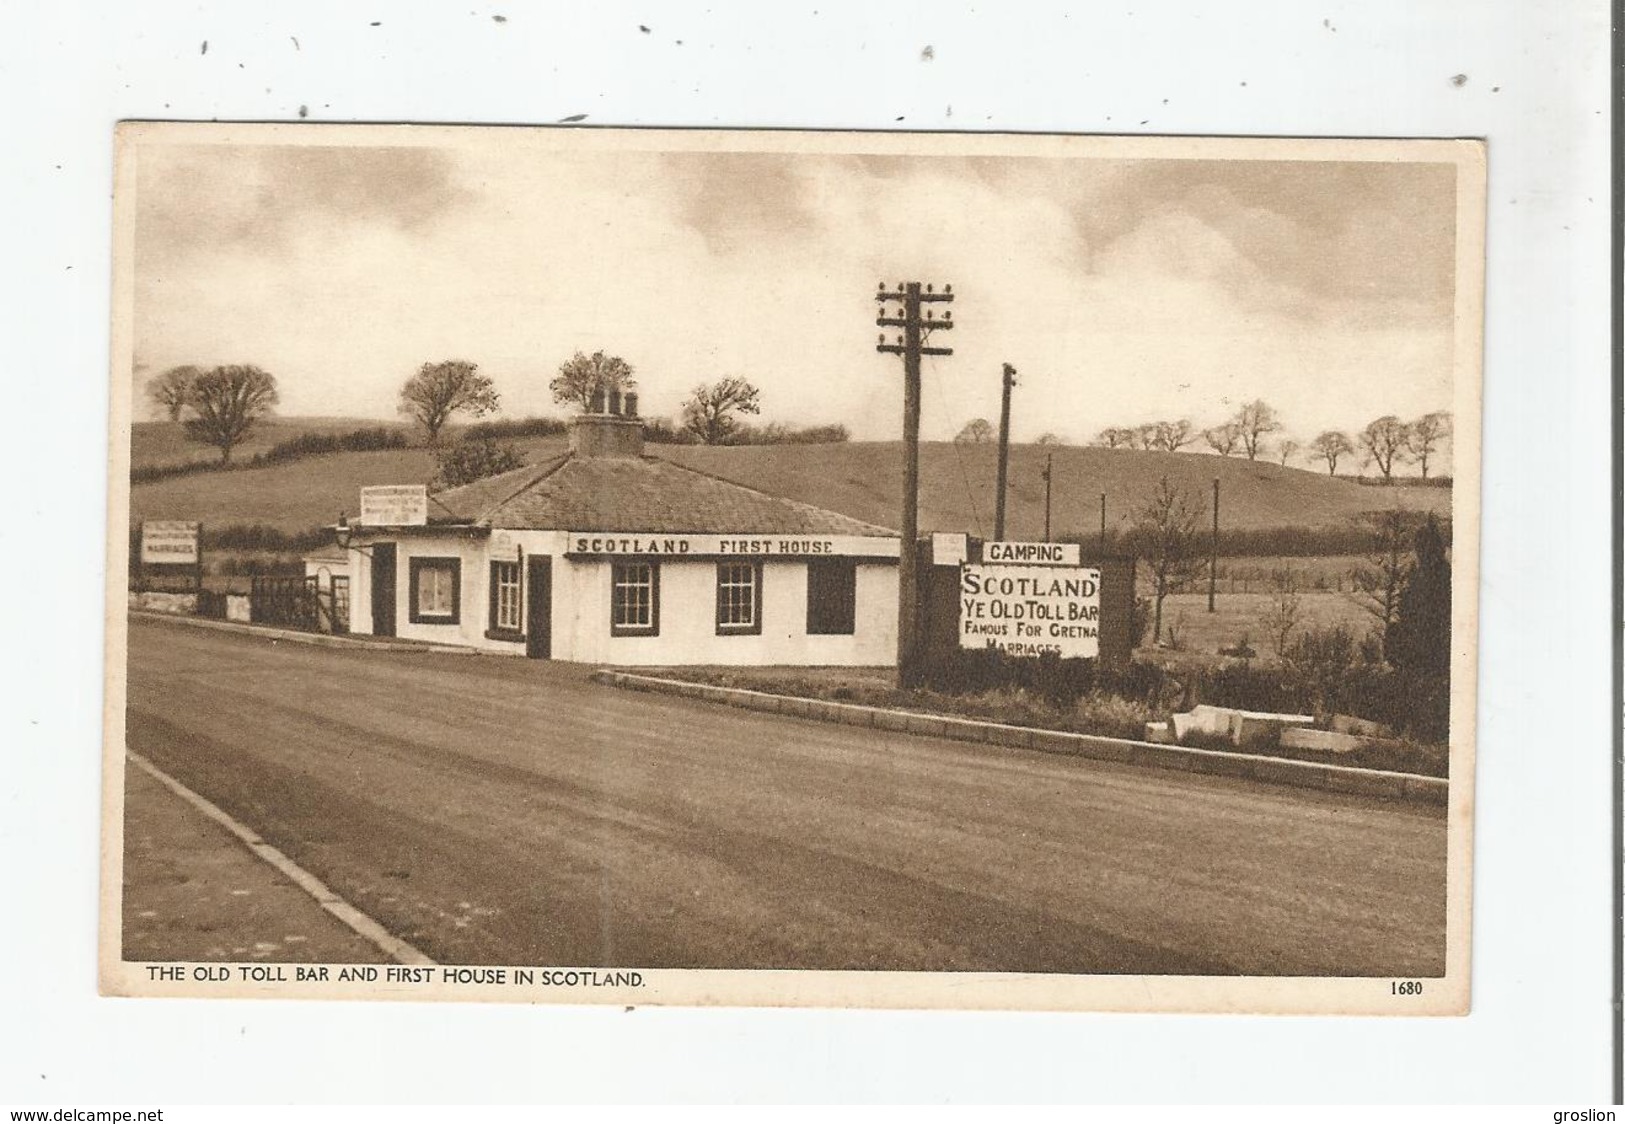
{"points": [[217, 200]]}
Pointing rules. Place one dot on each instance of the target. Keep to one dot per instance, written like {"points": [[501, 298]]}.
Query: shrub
{"points": [[474, 459], [509, 428]]}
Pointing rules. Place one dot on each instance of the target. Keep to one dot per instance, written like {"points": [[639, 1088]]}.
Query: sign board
{"points": [[1033, 553], [169, 542], [949, 548], [598, 543], [395, 505], [504, 547], [1030, 610]]}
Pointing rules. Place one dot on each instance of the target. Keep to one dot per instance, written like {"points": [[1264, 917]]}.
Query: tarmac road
{"points": [[506, 811]]}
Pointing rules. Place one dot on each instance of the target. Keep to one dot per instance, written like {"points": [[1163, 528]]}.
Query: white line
{"points": [[357, 921]]}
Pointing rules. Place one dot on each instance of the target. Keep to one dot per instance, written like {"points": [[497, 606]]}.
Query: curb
{"points": [[319, 639], [1409, 787]]}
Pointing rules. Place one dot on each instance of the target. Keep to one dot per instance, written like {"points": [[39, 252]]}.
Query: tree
{"points": [[977, 431], [1114, 437], [1377, 584], [1331, 446], [581, 376], [168, 392], [1167, 536], [1287, 448], [1222, 439], [1050, 439], [227, 402], [1253, 422], [472, 459], [1418, 637], [1285, 610], [1424, 436], [439, 390], [711, 410], [1384, 442], [1171, 436]]}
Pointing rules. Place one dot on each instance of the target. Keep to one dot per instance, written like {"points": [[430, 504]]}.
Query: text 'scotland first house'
{"points": [[607, 555]]}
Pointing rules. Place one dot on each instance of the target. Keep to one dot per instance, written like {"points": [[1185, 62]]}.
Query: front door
{"points": [[383, 589], [539, 609]]}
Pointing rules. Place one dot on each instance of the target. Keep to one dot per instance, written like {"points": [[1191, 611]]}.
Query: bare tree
{"points": [[1287, 449], [1222, 439], [1331, 446], [1425, 435], [439, 390], [1166, 534], [1050, 439], [582, 376], [1114, 437], [1253, 422], [1285, 610], [977, 431], [1172, 436], [711, 410], [227, 402], [1384, 442], [168, 392]]}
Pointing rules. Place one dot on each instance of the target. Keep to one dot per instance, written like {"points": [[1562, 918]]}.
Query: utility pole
{"points": [[1049, 473], [1213, 552], [911, 344], [1103, 524], [1004, 453]]}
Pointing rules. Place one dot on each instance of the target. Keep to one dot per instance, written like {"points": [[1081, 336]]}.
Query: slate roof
{"points": [[571, 493]]}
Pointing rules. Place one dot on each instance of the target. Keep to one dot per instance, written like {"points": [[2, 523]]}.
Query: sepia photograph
{"points": [[697, 567]]}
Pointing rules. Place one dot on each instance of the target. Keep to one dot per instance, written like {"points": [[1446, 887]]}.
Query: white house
{"points": [[607, 555]]}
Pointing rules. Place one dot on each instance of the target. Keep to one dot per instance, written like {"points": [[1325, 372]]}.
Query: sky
{"points": [[1122, 290]]}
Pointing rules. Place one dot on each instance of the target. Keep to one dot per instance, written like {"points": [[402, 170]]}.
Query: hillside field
{"points": [[860, 479], [154, 444]]}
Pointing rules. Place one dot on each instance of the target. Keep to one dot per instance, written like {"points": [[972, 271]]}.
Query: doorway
{"points": [[383, 589], [539, 608]]}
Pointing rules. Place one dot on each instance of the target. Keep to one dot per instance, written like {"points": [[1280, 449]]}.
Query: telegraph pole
{"points": [[1103, 524], [1049, 473], [1004, 453], [911, 344], [1213, 552]]}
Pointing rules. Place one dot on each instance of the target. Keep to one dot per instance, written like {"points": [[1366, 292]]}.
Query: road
{"points": [[505, 811]]}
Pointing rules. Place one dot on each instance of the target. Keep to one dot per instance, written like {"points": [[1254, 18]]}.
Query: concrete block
{"points": [[1159, 732], [1427, 790], [1391, 785], [238, 608], [1281, 771], [1057, 741], [1257, 727], [927, 725], [1360, 727], [1101, 749], [1322, 741]]}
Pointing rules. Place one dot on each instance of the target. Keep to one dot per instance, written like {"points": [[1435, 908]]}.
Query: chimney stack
{"points": [[614, 431]]}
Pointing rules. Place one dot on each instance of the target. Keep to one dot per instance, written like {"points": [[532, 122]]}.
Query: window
{"points": [[435, 590], [505, 598], [832, 597], [634, 604], [739, 598]]}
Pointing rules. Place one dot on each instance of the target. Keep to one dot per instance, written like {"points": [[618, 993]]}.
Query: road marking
{"points": [[358, 922]]}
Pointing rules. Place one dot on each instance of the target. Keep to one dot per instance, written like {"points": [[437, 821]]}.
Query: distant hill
{"points": [[165, 443], [860, 479], [957, 484]]}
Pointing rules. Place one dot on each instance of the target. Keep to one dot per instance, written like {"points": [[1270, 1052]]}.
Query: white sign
{"points": [[504, 547], [395, 505], [730, 546], [170, 542], [949, 548], [1033, 553], [1030, 610]]}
